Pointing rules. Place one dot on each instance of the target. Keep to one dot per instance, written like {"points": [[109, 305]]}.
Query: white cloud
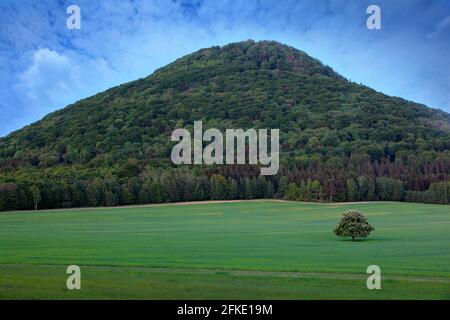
{"points": [[50, 74], [443, 24], [55, 79]]}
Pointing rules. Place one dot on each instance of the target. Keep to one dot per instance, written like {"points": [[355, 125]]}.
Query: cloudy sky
{"points": [[44, 66]]}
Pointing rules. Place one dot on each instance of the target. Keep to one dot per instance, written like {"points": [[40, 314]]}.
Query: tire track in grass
{"points": [[256, 273]]}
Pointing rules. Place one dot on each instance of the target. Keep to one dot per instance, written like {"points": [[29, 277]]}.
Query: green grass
{"points": [[286, 249]]}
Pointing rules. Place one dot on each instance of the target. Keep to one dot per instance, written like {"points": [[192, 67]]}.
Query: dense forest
{"points": [[339, 141]]}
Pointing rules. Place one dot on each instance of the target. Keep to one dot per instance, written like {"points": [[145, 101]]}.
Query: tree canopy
{"points": [[353, 224]]}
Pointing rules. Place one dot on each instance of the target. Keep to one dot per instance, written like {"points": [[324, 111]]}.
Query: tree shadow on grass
{"points": [[365, 239]]}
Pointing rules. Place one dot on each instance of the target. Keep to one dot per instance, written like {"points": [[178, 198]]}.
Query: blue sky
{"points": [[44, 66]]}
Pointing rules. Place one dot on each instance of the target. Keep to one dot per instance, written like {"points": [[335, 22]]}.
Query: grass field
{"points": [[243, 250]]}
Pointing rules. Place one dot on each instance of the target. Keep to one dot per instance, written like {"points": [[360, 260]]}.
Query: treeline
{"points": [[88, 189], [112, 191], [370, 189]]}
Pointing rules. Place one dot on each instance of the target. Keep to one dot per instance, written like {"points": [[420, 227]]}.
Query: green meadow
{"points": [[242, 250]]}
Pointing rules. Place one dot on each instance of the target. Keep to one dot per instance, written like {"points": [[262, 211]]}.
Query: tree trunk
{"points": [[353, 238]]}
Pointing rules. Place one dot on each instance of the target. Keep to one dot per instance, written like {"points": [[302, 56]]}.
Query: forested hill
{"points": [[339, 140]]}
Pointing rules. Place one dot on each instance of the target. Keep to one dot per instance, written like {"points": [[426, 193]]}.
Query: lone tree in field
{"points": [[353, 224]]}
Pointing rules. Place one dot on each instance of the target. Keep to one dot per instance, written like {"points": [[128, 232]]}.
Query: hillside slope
{"points": [[332, 131]]}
